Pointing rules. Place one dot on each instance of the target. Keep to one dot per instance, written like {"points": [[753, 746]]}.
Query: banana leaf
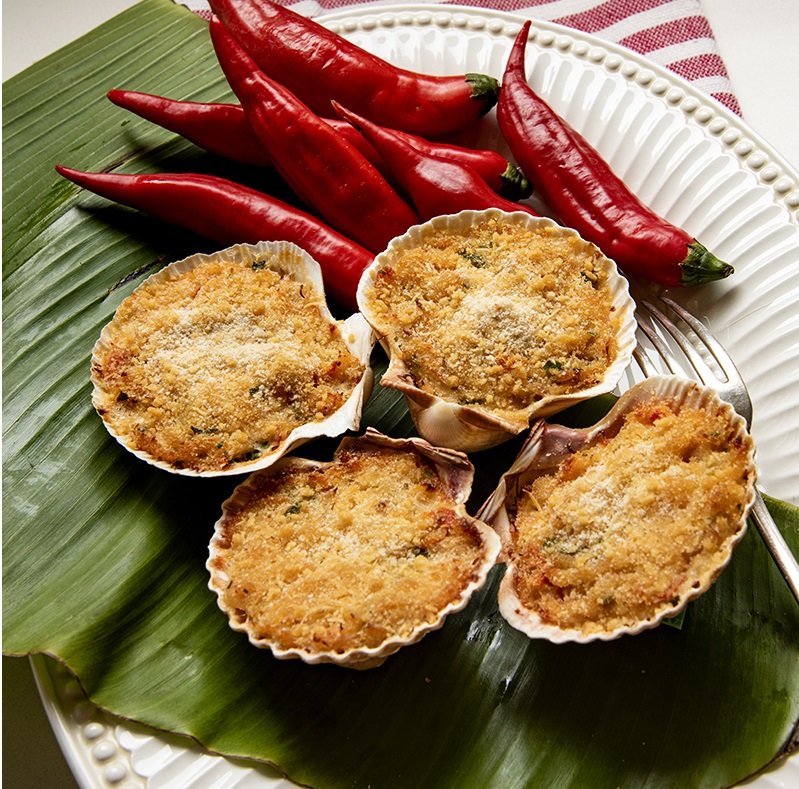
{"points": [[103, 556]]}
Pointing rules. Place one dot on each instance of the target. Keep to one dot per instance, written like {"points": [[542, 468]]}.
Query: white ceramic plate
{"points": [[688, 157]]}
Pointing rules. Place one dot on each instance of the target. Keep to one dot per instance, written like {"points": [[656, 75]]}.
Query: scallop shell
{"points": [[286, 258], [549, 444], [471, 428], [454, 469]]}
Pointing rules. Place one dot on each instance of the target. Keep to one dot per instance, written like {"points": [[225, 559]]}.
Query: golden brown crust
{"points": [[499, 316], [343, 556], [633, 522], [213, 366]]}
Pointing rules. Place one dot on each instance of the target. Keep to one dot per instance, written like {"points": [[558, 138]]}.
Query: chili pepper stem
{"points": [[701, 266], [485, 90], [515, 185]]}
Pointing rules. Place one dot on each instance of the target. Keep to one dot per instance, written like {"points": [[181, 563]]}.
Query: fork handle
{"points": [[775, 542]]}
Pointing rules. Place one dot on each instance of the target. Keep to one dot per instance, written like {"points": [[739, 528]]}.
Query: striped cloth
{"points": [[674, 34]]}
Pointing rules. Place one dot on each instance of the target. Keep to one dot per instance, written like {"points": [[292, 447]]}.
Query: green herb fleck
{"points": [[247, 456], [590, 277], [478, 261], [293, 509], [552, 364], [573, 550], [566, 545], [257, 265]]}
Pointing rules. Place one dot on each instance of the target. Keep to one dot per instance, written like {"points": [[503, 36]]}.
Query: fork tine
{"points": [[702, 370], [647, 368], [647, 328], [717, 350]]}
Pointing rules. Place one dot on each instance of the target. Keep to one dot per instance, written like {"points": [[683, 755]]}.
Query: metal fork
{"points": [[699, 347]]}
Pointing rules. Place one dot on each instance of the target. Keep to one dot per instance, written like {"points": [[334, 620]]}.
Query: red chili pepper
{"points": [[219, 128], [230, 213], [223, 129], [319, 65], [502, 176], [435, 185], [325, 171], [584, 193]]}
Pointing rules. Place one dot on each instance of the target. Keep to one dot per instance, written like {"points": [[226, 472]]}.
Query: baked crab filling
{"points": [[497, 315], [632, 522], [213, 364], [346, 555]]}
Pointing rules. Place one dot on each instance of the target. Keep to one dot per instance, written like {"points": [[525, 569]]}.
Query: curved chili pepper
{"points": [[318, 65], [502, 176], [223, 129], [436, 186], [219, 128], [230, 213], [323, 169], [584, 193]]}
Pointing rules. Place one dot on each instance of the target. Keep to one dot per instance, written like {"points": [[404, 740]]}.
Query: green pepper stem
{"points": [[701, 266], [484, 89], [515, 185]]}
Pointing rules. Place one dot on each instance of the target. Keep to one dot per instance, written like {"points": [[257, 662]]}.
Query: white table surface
{"points": [[758, 42]]}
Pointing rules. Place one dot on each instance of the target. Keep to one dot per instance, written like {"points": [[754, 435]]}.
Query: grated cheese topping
{"points": [[630, 524], [497, 317], [217, 364], [348, 554]]}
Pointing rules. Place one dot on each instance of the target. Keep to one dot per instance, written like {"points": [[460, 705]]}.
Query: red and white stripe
{"points": [[674, 34]]}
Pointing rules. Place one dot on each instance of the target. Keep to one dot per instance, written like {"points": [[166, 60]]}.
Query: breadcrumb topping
{"points": [[631, 523], [346, 555], [499, 316], [216, 365]]}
